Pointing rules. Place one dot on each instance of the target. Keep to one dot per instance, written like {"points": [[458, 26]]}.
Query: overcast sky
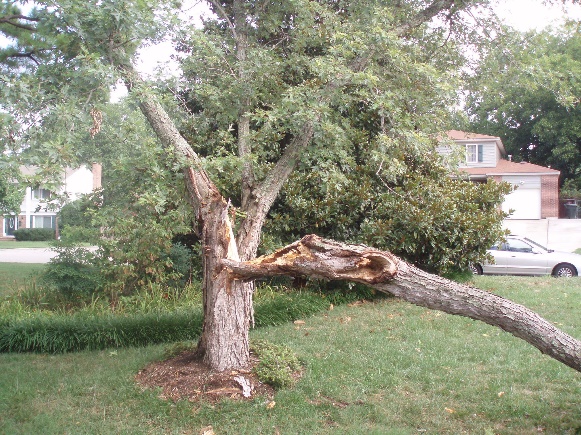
{"points": [[533, 14]]}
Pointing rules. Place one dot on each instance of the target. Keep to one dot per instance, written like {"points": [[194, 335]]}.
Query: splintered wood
{"points": [[319, 258]]}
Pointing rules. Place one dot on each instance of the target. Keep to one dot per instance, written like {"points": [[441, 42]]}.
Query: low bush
{"points": [[34, 234], [277, 363], [72, 273]]}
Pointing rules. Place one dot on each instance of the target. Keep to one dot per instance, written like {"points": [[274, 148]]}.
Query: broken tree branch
{"points": [[319, 258]]}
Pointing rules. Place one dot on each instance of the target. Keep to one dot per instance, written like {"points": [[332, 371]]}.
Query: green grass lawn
{"points": [[13, 244], [381, 368]]}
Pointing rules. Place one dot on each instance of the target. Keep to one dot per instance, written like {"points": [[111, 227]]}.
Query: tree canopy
{"points": [[527, 91]]}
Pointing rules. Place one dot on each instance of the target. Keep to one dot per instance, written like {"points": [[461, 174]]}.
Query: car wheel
{"points": [[476, 269], [564, 269]]}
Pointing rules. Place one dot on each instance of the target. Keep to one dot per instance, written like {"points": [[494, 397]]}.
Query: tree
{"points": [[11, 193], [293, 70], [526, 90]]}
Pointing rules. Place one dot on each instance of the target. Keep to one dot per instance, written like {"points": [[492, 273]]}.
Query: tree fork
{"points": [[319, 258]]}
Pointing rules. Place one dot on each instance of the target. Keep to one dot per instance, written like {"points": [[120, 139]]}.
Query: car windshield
{"points": [[536, 244]]}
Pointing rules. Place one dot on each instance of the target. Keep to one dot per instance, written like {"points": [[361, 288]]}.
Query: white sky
{"points": [[526, 15]]}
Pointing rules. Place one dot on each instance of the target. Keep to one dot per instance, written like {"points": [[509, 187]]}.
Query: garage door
{"points": [[525, 201]]}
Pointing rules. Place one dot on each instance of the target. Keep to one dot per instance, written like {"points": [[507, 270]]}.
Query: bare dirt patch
{"points": [[187, 377]]}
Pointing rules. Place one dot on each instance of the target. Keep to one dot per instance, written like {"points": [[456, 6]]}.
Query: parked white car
{"points": [[521, 256]]}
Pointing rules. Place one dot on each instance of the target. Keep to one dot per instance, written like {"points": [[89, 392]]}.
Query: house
{"points": [[536, 193], [35, 211]]}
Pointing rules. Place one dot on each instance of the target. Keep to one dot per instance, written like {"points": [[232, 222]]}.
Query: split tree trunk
{"points": [[227, 303], [316, 257]]}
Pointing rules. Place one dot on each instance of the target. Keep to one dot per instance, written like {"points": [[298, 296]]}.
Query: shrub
{"points": [[34, 234], [78, 213], [181, 260], [72, 273], [277, 364]]}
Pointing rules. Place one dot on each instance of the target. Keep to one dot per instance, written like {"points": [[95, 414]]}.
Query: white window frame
{"points": [[36, 220], [39, 193], [474, 153]]}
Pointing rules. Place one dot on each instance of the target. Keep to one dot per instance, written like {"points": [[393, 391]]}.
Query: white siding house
{"points": [[535, 194], [37, 211]]}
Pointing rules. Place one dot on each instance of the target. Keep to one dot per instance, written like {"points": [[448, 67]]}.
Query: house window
{"points": [[41, 193], [42, 221], [474, 153]]}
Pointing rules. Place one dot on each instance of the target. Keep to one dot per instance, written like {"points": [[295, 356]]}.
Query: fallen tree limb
{"points": [[320, 258]]}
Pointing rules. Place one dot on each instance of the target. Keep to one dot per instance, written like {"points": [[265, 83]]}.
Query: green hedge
{"points": [[34, 234], [66, 333]]}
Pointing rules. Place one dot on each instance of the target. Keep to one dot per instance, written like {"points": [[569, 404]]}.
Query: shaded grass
{"points": [[86, 330], [15, 277], [380, 368]]}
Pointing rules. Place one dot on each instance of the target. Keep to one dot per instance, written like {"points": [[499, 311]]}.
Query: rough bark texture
{"points": [[227, 303], [316, 257]]}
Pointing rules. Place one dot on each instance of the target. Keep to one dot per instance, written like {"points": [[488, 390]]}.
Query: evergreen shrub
{"points": [[34, 234]]}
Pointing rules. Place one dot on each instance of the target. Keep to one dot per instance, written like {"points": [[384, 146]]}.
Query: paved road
{"points": [[26, 255]]}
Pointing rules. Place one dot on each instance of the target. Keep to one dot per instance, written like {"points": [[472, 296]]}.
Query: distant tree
{"points": [[11, 192], [527, 91]]}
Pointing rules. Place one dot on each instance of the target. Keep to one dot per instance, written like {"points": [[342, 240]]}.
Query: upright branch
{"points": [[313, 256], [428, 13], [265, 193], [202, 189]]}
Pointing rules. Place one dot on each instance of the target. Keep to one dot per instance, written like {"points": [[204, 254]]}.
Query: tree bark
{"points": [[227, 303], [316, 257]]}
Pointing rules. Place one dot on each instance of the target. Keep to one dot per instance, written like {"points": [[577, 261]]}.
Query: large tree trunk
{"points": [[316, 257], [227, 303]]}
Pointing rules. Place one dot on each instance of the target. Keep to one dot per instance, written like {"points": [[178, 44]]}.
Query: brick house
{"points": [[536, 193]]}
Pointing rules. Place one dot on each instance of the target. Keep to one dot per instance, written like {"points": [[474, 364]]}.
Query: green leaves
{"points": [[527, 92]]}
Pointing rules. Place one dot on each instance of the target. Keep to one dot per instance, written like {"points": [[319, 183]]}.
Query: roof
{"points": [[466, 137], [504, 167], [463, 135]]}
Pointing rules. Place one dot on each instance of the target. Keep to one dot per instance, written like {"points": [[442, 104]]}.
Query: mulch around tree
{"points": [[187, 377]]}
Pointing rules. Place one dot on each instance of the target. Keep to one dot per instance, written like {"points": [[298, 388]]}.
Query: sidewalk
{"points": [[558, 234]]}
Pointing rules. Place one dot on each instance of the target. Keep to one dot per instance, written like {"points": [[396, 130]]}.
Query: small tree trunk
{"points": [[316, 257]]}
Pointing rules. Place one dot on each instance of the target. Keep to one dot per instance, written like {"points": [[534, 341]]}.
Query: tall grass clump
{"points": [[58, 334], [44, 318]]}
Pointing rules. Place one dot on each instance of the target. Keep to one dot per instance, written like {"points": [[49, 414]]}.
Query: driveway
{"points": [[26, 255], [558, 234]]}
